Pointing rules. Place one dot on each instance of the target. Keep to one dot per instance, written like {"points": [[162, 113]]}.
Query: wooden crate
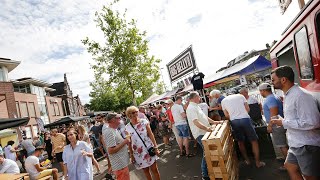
{"points": [[220, 154]]}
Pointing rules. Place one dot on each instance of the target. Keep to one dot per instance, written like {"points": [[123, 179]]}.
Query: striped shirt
{"points": [[58, 140], [120, 159]]}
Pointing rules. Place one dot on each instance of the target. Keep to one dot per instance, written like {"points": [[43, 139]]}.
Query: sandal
{"points": [[190, 155], [261, 164], [248, 163]]}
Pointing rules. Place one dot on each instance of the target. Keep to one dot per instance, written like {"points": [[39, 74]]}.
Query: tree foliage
{"points": [[123, 58]]}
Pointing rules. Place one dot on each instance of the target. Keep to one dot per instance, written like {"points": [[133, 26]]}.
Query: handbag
{"points": [[151, 150]]}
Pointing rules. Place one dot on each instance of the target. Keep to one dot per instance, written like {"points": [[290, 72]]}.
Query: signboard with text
{"points": [[183, 64]]}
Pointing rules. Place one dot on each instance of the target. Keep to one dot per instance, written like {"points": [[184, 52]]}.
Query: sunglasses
{"points": [[134, 112]]}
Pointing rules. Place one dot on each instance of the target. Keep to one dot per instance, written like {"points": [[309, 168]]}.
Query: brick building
{"points": [[72, 105], [7, 101], [27, 97]]}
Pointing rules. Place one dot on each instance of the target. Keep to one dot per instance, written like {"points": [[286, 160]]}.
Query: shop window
{"points": [[304, 56], [32, 111], [18, 109], [24, 109], [28, 132]]}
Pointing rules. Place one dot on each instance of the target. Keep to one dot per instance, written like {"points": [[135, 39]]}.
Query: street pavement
{"points": [[172, 166]]}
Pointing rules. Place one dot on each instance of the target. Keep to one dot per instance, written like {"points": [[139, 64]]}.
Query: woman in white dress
{"points": [[10, 152], [84, 136], [77, 158], [139, 146]]}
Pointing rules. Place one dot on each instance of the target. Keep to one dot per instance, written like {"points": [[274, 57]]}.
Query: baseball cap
{"points": [[112, 115], [264, 86]]}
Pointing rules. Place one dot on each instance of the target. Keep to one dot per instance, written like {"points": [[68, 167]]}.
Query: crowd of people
{"points": [[130, 137]]}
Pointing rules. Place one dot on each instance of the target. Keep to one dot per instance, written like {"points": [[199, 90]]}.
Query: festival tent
{"points": [[66, 120], [254, 64], [12, 123], [150, 99], [169, 94]]}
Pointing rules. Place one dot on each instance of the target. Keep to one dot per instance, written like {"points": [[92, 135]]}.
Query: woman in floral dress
{"points": [[138, 151]]}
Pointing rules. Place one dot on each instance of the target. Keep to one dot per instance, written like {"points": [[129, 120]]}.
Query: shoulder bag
{"points": [[151, 150]]}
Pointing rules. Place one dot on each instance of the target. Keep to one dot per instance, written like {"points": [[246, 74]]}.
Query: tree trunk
{"points": [[134, 101]]}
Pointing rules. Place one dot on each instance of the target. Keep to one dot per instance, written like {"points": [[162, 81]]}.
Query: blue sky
{"points": [[45, 35]]}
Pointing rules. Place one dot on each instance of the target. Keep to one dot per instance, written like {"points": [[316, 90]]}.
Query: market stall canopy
{"points": [[12, 123], [186, 89], [160, 97], [150, 99], [66, 120], [254, 64], [170, 94]]}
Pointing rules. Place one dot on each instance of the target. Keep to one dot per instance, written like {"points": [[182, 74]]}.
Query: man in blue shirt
{"points": [[272, 107]]}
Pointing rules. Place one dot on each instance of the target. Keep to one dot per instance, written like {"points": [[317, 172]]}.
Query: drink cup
{"points": [[83, 152], [128, 137], [277, 117]]}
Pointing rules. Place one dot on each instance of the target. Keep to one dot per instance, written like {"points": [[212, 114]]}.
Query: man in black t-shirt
{"points": [[197, 81]]}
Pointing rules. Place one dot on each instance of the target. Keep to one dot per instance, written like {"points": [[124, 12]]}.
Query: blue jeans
{"points": [[204, 169]]}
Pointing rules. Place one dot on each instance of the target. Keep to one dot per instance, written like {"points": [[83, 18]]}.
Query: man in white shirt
{"points": [[236, 108], [32, 165], [302, 121], [255, 112], [199, 124], [8, 166], [180, 122]]}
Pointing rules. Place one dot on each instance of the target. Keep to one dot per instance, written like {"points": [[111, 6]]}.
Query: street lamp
{"points": [[165, 87]]}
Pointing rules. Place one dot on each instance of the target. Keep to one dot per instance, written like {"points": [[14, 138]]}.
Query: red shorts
{"points": [[122, 174]]}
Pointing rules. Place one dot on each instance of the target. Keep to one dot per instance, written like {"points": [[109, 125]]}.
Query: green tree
{"points": [[103, 97], [123, 56]]}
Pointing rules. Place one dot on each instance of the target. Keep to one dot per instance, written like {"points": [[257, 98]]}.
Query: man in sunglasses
{"points": [[96, 130]]}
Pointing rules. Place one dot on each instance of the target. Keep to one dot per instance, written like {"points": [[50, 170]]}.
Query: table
{"points": [[13, 176]]}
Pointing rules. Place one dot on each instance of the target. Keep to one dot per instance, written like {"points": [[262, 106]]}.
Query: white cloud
{"points": [[45, 35]]}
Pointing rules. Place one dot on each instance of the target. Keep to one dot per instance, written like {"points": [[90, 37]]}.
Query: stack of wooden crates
{"points": [[220, 154]]}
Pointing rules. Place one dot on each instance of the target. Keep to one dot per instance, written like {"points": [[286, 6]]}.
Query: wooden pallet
{"points": [[220, 154]]}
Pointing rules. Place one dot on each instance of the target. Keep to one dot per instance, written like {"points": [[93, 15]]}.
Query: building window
{"points": [[1, 74], [32, 111], [18, 109], [24, 109], [52, 109], [28, 132], [35, 130], [56, 109], [303, 51], [22, 89]]}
